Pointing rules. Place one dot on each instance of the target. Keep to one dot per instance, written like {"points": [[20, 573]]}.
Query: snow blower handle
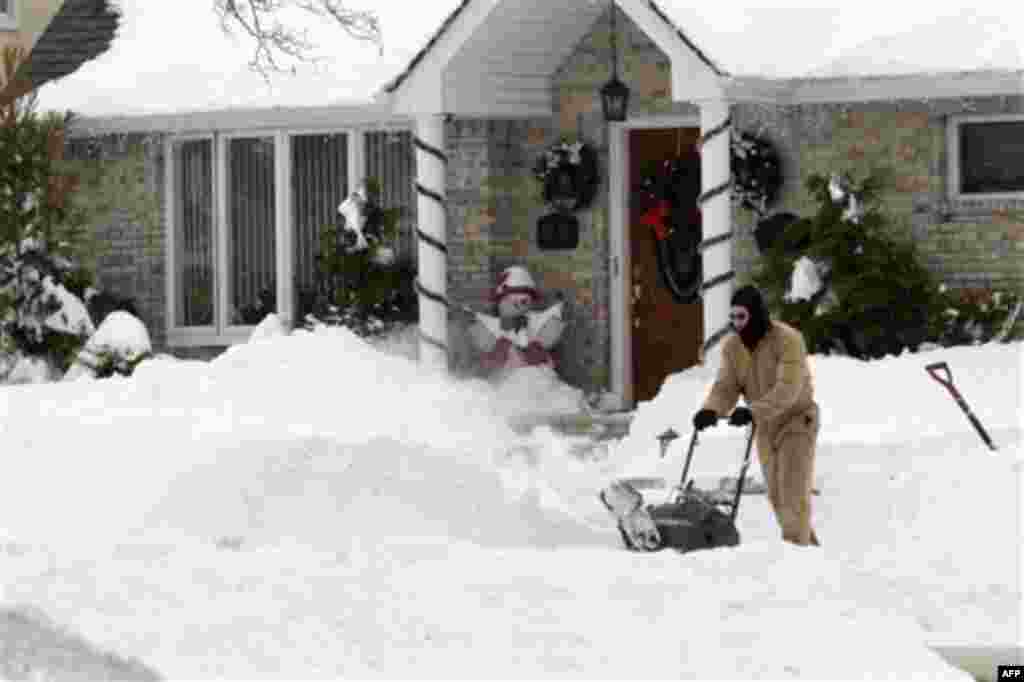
{"points": [[743, 474], [933, 369], [693, 443]]}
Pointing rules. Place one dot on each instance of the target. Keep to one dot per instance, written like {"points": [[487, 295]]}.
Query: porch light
{"points": [[614, 94]]}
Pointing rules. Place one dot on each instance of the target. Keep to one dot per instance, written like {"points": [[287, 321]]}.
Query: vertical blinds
{"points": [[193, 237], [251, 219], [319, 185], [390, 159]]}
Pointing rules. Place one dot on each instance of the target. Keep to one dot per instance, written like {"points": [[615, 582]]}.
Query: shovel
{"points": [[934, 370]]}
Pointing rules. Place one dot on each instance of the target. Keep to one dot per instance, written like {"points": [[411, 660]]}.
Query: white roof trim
{"points": [[373, 114], [875, 88], [422, 88], [737, 89]]}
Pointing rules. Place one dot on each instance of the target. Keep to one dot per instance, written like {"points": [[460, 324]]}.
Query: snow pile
{"points": [[327, 509], [324, 404], [891, 400], [118, 345]]}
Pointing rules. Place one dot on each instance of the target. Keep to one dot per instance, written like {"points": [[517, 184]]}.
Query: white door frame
{"points": [[621, 304]]}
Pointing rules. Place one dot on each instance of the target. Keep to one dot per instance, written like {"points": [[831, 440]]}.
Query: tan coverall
{"points": [[776, 381]]}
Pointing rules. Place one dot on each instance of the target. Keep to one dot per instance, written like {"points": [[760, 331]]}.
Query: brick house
{"points": [[499, 82]]}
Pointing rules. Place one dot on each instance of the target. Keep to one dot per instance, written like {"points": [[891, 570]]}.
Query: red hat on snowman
{"points": [[514, 280]]}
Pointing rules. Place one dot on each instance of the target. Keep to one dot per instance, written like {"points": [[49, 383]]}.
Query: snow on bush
{"points": [[120, 343]]}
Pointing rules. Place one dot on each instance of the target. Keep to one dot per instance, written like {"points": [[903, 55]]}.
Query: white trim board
{"points": [[619, 310]]}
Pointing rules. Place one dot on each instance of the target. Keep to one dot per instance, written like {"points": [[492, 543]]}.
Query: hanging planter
{"points": [[675, 221], [569, 175]]}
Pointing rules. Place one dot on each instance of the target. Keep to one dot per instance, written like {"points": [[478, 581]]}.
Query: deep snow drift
{"points": [[309, 506]]}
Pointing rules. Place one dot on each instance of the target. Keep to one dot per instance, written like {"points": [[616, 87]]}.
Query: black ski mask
{"points": [[757, 326]]}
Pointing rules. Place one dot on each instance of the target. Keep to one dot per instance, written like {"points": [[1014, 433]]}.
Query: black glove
{"points": [[741, 416], [704, 418]]}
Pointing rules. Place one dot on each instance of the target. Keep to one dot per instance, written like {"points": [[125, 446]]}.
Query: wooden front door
{"points": [[666, 335]]}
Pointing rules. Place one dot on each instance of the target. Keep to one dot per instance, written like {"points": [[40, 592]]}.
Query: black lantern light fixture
{"points": [[614, 94]]}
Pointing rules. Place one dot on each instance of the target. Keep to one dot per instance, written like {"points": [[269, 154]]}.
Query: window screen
{"points": [[992, 157], [193, 233]]}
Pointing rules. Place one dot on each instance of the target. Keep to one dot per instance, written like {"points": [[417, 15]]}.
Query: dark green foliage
{"points": [[112, 362], [361, 290], [887, 300], [39, 230]]}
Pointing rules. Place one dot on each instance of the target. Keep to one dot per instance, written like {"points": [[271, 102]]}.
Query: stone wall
{"points": [[123, 190]]}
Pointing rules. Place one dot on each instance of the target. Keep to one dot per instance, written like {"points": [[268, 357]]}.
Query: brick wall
{"points": [[495, 203], [966, 243], [128, 240]]}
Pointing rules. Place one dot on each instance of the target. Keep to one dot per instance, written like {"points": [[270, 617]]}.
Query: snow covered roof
{"points": [[852, 39], [151, 70]]}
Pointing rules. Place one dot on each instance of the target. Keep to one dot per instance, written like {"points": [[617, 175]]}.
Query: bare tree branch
{"points": [[278, 47]]}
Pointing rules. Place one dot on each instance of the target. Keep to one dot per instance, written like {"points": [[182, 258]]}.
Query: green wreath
{"points": [[569, 175]]}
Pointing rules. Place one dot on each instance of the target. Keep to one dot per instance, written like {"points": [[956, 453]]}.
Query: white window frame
{"points": [[286, 263], [9, 17], [953, 181], [181, 336], [236, 333], [222, 333]]}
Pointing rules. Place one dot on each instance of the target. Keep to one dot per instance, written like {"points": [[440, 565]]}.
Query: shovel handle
{"points": [[934, 369]]}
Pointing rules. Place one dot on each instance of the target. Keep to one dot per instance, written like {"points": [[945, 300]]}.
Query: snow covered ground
{"points": [[306, 506]]}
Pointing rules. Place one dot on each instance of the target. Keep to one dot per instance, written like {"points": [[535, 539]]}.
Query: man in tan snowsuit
{"points": [[766, 362]]}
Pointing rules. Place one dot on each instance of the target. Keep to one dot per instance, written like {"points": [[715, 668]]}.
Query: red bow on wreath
{"points": [[655, 217]]}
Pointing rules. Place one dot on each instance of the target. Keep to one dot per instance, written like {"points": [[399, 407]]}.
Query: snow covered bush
{"points": [[842, 278], [117, 347], [41, 312], [359, 283]]}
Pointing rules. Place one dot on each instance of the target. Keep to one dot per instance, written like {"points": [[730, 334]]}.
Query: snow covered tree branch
{"points": [[280, 45]]}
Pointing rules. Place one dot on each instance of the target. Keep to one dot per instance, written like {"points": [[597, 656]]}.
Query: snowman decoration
{"points": [[518, 336]]}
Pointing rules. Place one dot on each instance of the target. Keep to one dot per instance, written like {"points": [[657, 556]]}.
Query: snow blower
{"points": [[690, 519]]}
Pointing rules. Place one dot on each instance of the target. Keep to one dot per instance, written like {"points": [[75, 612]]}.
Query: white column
{"points": [[716, 209], [431, 282]]}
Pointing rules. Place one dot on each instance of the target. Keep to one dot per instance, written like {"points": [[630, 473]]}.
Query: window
{"points": [[319, 183], [986, 155], [192, 237], [8, 17], [250, 229], [245, 212], [391, 159]]}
